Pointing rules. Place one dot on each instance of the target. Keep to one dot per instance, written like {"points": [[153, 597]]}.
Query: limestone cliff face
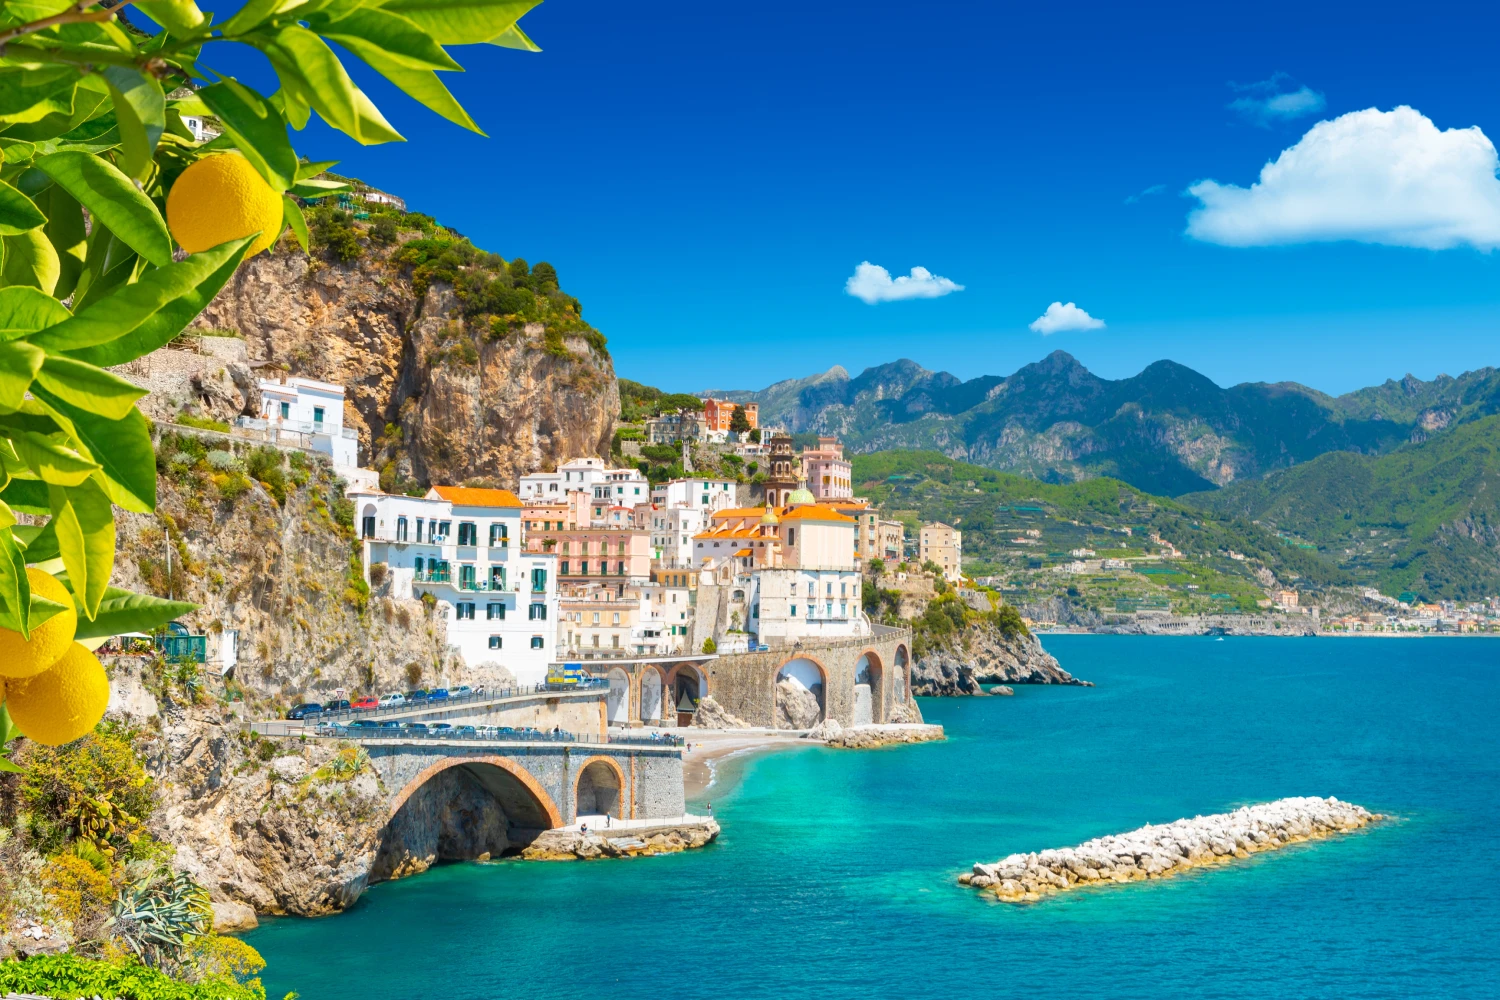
{"points": [[981, 655], [463, 402]]}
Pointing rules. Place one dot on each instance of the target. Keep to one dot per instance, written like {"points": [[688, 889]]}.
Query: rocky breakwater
{"points": [[1160, 851], [629, 840], [876, 735], [980, 655]]}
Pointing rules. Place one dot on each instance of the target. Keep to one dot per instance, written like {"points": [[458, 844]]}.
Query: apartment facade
{"points": [[672, 531], [699, 493], [306, 411], [942, 544], [463, 546], [829, 474], [718, 413], [588, 475]]}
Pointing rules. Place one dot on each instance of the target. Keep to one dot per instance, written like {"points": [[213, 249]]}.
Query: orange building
{"points": [[717, 413]]}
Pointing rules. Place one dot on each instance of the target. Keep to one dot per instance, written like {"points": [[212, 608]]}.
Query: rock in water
{"points": [[1158, 851], [828, 729], [979, 655], [796, 706], [712, 715]]}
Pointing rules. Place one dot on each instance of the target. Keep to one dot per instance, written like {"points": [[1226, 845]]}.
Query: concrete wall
{"points": [[580, 713], [745, 683], [539, 780]]}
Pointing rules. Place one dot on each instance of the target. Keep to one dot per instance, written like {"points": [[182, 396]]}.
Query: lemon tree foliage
{"points": [[118, 224]]}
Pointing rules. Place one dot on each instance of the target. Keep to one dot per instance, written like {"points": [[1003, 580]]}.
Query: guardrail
{"points": [[465, 698], [481, 734]]}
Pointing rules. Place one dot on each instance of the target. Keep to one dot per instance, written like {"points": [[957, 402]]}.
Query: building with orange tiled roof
{"points": [[462, 545]]}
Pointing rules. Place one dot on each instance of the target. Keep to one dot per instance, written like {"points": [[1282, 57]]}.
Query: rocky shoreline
{"points": [[880, 735], [1167, 849], [570, 844], [982, 656]]}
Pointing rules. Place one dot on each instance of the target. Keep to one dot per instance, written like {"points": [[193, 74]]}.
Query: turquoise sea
{"points": [[834, 877]]}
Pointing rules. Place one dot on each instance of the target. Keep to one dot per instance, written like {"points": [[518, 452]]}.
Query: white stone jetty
{"points": [[1163, 850]]}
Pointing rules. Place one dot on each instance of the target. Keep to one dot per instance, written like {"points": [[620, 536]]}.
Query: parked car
{"points": [[364, 724], [338, 705], [462, 691], [414, 727], [443, 728], [413, 697], [392, 700], [365, 704], [467, 732], [392, 724], [304, 710], [437, 694]]}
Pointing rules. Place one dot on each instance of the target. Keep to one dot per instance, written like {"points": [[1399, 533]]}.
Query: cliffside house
{"points": [[464, 547], [719, 413], [306, 413], [942, 544], [589, 475]]}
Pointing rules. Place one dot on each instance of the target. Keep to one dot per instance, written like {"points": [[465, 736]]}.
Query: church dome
{"points": [[769, 517], [801, 495]]}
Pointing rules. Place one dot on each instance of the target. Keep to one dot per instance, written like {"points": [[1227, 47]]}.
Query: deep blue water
{"points": [[834, 877]]}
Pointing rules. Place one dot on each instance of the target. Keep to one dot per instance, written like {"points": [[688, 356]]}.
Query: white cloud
{"points": [[1388, 177], [1270, 101], [1061, 317], [872, 283], [1153, 189]]}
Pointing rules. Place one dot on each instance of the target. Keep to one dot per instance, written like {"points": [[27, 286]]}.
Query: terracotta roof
{"points": [[729, 512], [722, 533], [815, 512], [466, 496], [743, 552]]}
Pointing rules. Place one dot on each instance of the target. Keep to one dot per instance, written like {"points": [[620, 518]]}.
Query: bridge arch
{"points": [[869, 705], [902, 680], [653, 684], [686, 686], [617, 702], [791, 710], [600, 789], [519, 794]]}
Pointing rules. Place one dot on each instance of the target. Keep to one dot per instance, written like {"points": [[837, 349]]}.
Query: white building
{"points": [[702, 494], [463, 546], [672, 531], [306, 412], [626, 487]]}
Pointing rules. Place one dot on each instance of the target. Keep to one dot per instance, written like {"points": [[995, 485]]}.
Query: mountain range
{"points": [[1168, 430]]}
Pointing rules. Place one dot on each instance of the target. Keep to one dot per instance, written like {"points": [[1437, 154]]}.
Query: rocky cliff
{"points": [[439, 388], [980, 655]]}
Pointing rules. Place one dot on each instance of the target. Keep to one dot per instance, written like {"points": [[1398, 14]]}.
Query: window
{"points": [[499, 535], [830, 588], [617, 618], [418, 566], [317, 414], [829, 609], [494, 612], [419, 529], [537, 613], [843, 610], [536, 642], [791, 536], [564, 568], [583, 567], [494, 642], [368, 527], [400, 529], [464, 610], [286, 410], [538, 579], [620, 568], [466, 576], [794, 611], [596, 618], [468, 533], [497, 577], [614, 640]]}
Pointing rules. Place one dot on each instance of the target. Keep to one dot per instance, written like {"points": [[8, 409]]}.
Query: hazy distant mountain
{"points": [[1167, 430]]}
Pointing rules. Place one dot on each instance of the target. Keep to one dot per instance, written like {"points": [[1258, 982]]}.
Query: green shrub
{"points": [[202, 423], [70, 976]]}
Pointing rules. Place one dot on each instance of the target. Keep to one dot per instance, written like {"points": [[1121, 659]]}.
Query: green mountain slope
{"points": [[1425, 518]]}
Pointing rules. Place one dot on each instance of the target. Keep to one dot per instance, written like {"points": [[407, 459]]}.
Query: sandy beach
{"points": [[706, 748]]}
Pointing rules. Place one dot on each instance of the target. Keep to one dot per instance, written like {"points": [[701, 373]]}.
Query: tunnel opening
{"points": [[800, 687], [599, 791]]}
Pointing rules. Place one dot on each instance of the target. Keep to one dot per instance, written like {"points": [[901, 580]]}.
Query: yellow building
{"points": [[942, 544]]}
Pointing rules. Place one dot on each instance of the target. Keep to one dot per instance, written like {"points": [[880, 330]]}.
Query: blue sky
{"points": [[707, 177]]}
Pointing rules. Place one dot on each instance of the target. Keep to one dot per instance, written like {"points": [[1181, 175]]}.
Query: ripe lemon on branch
{"points": [[221, 198], [21, 657], [63, 702]]}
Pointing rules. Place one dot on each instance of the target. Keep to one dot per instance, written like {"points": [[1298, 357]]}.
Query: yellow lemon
{"points": [[61, 704], [221, 198], [49, 640]]}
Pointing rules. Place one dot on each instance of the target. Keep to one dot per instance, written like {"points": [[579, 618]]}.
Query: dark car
{"points": [[467, 732], [341, 705], [416, 696], [393, 724], [437, 694], [364, 724], [440, 728], [304, 710], [415, 728]]}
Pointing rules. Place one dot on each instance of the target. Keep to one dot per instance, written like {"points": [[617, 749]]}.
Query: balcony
{"points": [[433, 576]]}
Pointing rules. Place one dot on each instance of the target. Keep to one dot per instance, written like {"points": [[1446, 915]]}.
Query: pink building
{"points": [[829, 474]]}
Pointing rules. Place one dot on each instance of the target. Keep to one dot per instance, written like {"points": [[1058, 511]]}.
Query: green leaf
{"points": [[40, 540], [17, 212], [15, 588], [26, 495], [292, 107], [317, 187], [87, 386], [121, 611], [307, 170], [514, 38], [292, 216], [121, 447], [136, 319], [181, 18], [31, 260], [29, 95], [86, 102], [86, 538], [399, 38], [27, 310], [19, 363], [252, 15], [17, 151], [140, 112], [462, 22], [310, 71], [56, 464], [257, 128], [66, 231], [423, 86], [112, 200]]}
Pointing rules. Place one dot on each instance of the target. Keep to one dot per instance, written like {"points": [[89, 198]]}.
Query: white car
{"points": [[393, 701]]}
